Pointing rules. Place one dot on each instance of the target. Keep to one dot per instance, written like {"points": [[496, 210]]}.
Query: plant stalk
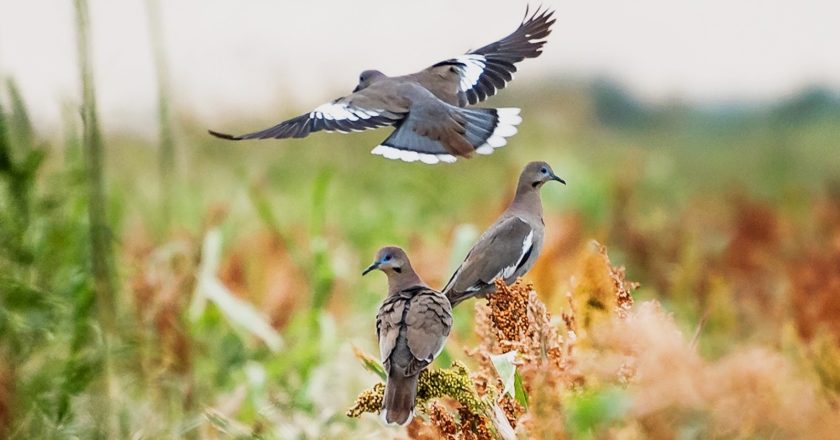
{"points": [[100, 242], [166, 154]]}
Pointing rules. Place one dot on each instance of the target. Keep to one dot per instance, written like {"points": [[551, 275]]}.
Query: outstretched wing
{"points": [[355, 112], [478, 74]]}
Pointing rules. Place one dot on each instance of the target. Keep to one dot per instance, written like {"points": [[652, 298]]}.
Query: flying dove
{"points": [[428, 107]]}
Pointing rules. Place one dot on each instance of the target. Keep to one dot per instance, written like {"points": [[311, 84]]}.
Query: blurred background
{"points": [[157, 282]]}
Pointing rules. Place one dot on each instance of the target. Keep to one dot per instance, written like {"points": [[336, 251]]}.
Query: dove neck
{"points": [[527, 201], [402, 280]]}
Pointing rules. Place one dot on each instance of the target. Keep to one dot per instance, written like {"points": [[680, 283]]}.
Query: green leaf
{"points": [[5, 154], [21, 297], [240, 313], [21, 125], [520, 394], [78, 373], [506, 368], [370, 363], [463, 238]]}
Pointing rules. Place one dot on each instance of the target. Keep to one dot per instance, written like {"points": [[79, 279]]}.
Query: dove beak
{"points": [[370, 268]]}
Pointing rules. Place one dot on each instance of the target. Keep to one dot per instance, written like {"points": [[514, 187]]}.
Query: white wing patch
{"points": [[526, 244], [340, 111], [473, 67], [474, 288], [506, 127], [411, 156]]}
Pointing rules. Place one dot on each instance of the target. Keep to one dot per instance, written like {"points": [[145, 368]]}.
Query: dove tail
{"points": [[488, 128], [484, 129], [398, 402], [456, 298]]}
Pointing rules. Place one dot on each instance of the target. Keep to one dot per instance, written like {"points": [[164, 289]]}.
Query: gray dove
{"points": [[412, 325], [509, 248], [427, 107]]}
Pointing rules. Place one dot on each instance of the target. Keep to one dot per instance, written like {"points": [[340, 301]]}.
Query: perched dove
{"points": [[509, 248], [412, 324]]}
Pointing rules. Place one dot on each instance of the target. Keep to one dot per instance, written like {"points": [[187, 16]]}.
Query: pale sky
{"points": [[233, 59]]}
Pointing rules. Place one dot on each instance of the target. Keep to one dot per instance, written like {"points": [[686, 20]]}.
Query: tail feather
{"points": [[488, 128], [456, 298], [398, 402], [485, 129]]}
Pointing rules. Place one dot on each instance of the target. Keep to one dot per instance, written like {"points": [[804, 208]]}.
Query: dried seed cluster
{"points": [[453, 382]]}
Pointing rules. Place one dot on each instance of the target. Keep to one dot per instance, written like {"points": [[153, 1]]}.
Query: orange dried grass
{"points": [[752, 391], [815, 293], [599, 289], [161, 287], [261, 269]]}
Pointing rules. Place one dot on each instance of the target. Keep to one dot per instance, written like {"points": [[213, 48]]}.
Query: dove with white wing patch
{"points": [[428, 108], [510, 246]]}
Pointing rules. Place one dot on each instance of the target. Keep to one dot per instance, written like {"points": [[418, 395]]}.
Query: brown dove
{"points": [[412, 325]]}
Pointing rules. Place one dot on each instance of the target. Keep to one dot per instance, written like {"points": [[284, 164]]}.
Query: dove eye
{"points": [[544, 171], [387, 258]]}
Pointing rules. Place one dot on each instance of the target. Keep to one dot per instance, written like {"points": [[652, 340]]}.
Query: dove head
{"points": [[536, 174], [394, 262], [390, 259], [367, 78], [526, 201]]}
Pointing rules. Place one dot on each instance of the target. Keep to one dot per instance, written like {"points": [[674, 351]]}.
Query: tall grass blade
{"points": [[5, 144], [100, 242], [21, 125], [321, 269], [166, 155]]}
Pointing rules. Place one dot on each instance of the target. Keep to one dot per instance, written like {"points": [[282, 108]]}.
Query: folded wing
{"points": [[499, 252]]}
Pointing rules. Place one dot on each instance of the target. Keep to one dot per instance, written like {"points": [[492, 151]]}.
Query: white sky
{"points": [[235, 59]]}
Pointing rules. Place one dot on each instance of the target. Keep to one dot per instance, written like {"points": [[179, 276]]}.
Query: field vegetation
{"points": [[192, 287]]}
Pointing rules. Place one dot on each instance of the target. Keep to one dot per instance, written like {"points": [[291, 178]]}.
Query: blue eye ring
{"points": [[387, 258], [544, 170]]}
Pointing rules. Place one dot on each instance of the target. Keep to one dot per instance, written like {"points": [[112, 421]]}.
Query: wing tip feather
{"points": [[225, 136]]}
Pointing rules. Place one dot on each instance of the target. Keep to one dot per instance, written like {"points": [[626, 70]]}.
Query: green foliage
{"points": [[46, 296], [19, 122], [320, 270], [370, 363], [520, 393], [592, 410], [453, 382]]}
